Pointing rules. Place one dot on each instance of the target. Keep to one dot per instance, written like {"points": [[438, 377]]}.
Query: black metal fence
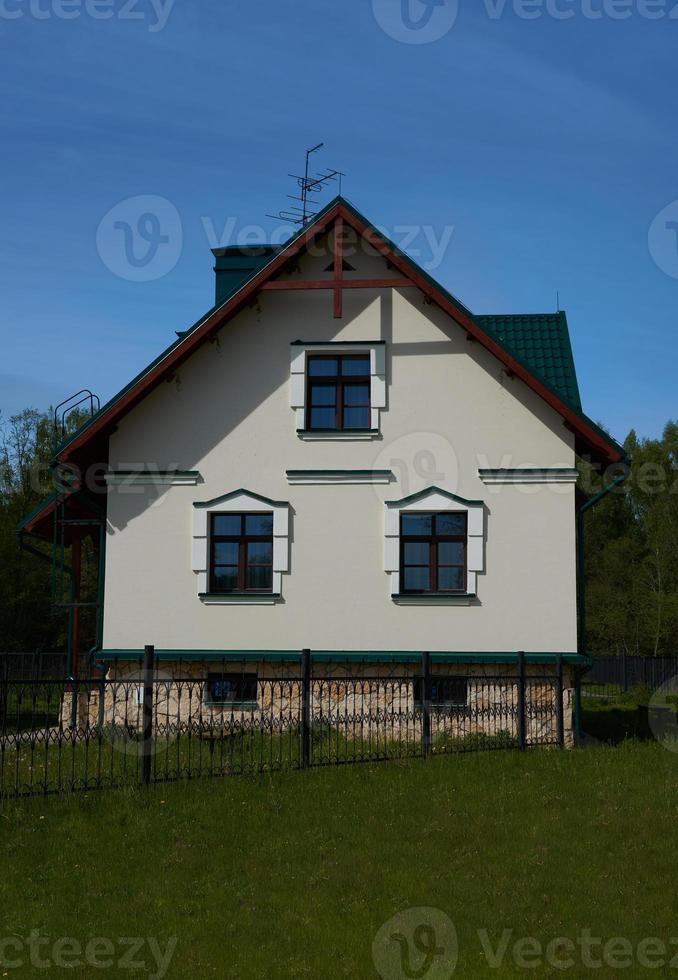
{"points": [[154, 721], [614, 676]]}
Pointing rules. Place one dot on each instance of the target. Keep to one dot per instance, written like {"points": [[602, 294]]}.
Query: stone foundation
{"points": [[357, 701]]}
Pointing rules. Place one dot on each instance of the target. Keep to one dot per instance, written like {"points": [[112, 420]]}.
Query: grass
{"points": [[291, 875]]}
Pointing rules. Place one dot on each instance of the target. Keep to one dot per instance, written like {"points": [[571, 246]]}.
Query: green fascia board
{"points": [[391, 245], [421, 494], [234, 493], [336, 656]]}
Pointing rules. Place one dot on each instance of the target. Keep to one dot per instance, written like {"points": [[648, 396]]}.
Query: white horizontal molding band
{"points": [[529, 476], [151, 478], [346, 477]]}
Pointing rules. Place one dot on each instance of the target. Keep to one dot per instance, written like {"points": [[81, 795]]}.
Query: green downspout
{"points": [[581, 590]]}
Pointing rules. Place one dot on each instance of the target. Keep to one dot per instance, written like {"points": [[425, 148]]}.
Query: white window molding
{"points": [[345, 477], [299, 351], [239, 501], [436, 500], [529, 475], [152, 478]]}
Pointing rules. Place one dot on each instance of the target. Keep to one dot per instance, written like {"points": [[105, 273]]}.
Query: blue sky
{"points": [[548, 146]]}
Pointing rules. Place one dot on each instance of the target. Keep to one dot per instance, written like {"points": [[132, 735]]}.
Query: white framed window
{"points": [[434, 547], [337, 390], [207, 517]]}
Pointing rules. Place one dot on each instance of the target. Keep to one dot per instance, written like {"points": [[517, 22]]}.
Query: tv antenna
{"points": [[309, 186]]}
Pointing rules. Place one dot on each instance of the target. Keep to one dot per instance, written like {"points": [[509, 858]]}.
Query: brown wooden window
{"points": [[433, 552], [241, 553], [338, 392]]}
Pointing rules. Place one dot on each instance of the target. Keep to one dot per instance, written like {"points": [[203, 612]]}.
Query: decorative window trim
{"points": [[346, 477], [437, 500], [525, 475], [299, 350], [152, 478], [235, 502]]}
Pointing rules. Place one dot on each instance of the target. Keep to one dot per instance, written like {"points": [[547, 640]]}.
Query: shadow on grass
{"points": [[617, 721]]}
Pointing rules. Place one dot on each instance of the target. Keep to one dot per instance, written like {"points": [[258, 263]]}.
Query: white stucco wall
{"points": [[451, 409]]}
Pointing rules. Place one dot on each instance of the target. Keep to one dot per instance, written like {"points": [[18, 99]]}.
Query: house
{"points": [[339, 457]]}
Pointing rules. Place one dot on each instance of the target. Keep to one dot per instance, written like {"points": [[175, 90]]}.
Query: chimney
{"points": [[236, 264]]}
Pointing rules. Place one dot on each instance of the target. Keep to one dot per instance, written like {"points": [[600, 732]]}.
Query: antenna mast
{"points": [[309, 187]]}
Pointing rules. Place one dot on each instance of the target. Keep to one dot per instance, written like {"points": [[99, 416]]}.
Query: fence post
{"points": [[560, 708], [4, 692], [305, 708], [522, 739], [426, 704], [147, 745]]}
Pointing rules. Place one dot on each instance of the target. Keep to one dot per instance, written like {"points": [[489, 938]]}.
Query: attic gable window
{"points": [[338, 392], [337, 388]]}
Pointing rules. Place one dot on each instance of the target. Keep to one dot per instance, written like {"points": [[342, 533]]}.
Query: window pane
{"points": [[416, 579], [450, 553], [226, 525], [260, 553], [451, 580], [322, 367], [357, 395], [417, 554], [356, 418], [355, 366], [323, 418], [323, 395], [225, 579], [451, 524], [259, 524], [225, 553], [417, 524], [260, 577], [222, 688]]}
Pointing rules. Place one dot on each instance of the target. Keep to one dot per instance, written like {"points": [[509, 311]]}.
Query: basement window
{"points": [[446, 692], [231, 690]]}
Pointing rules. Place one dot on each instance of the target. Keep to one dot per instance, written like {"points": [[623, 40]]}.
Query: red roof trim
{"points": [[217, 319]]}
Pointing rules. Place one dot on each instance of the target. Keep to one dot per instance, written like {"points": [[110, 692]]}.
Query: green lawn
{"points": [[292, 874]]}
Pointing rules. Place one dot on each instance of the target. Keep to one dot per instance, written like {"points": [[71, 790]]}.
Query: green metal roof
{"points": [[542, 341]]}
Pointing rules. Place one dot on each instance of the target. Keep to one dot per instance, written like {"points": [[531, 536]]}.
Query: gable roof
{"points": [[588, 435], [542, 341]]}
